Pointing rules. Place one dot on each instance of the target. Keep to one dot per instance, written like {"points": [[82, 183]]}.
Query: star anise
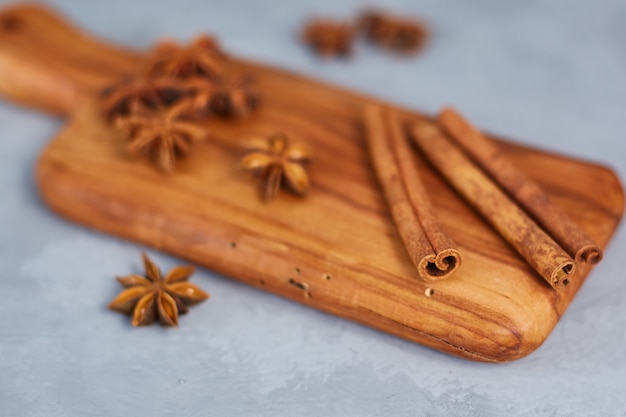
{"points": [[120, 98], [199, 93], [180, 83], [398, 34], [328, 38], [153, 296], [277, 162], [234, 96], [161, 133], [202, 58], [211, 84]]}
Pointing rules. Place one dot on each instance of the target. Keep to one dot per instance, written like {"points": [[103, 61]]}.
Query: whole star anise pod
{"points": [[202, 58], [153, 296], [140, 91], [328, 38], [277, 162], [161, 133]]}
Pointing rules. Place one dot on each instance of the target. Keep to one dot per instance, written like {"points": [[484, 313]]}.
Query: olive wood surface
{"points": [[337, 249]]}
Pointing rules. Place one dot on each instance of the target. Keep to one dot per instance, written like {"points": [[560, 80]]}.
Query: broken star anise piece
{"points": [[328, 38], [119, 99], [202, 58], [161, 133], [402, 35], [277, 162], [153, 296]]}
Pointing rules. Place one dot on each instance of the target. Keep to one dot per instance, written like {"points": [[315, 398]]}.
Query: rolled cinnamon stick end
{"points": [[432, 252], [541, 252], [522, 189]]}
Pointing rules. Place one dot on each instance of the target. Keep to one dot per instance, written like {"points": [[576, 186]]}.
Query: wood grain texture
{"points": [[338, 249], [433, 253], [51, 66]]}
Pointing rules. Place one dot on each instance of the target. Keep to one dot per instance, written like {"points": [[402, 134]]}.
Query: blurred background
{"points": [[547, 73]]}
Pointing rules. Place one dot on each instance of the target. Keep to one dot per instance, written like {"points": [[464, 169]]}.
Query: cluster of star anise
{"points": [[329, 37], [160, 110]]}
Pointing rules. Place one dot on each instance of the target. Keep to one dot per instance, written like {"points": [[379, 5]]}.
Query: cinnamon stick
{"points": [[522, 189], [541, 252], [433, 253]]}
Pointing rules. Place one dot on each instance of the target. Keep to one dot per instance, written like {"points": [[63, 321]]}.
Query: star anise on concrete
{"points": [[152, 296], [398, 34], [328, 37], [202, 58], [161, 133], [140, 91], [277, 162]]}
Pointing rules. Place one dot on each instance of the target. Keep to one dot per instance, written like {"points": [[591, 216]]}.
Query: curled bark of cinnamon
{"points": [[433, 253], [522, 189], [541, 252]]}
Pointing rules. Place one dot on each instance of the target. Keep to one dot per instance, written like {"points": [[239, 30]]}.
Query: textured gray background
{"points": [[548, 73]]}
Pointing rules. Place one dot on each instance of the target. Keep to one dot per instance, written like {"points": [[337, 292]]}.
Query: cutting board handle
{"points": [[48, 64]]}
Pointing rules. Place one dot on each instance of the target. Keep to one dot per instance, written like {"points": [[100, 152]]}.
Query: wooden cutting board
{"points": [[336, 250]]}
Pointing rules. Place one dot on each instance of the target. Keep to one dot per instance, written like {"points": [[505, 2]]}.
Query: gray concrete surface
{"points": [[548, 73]]}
